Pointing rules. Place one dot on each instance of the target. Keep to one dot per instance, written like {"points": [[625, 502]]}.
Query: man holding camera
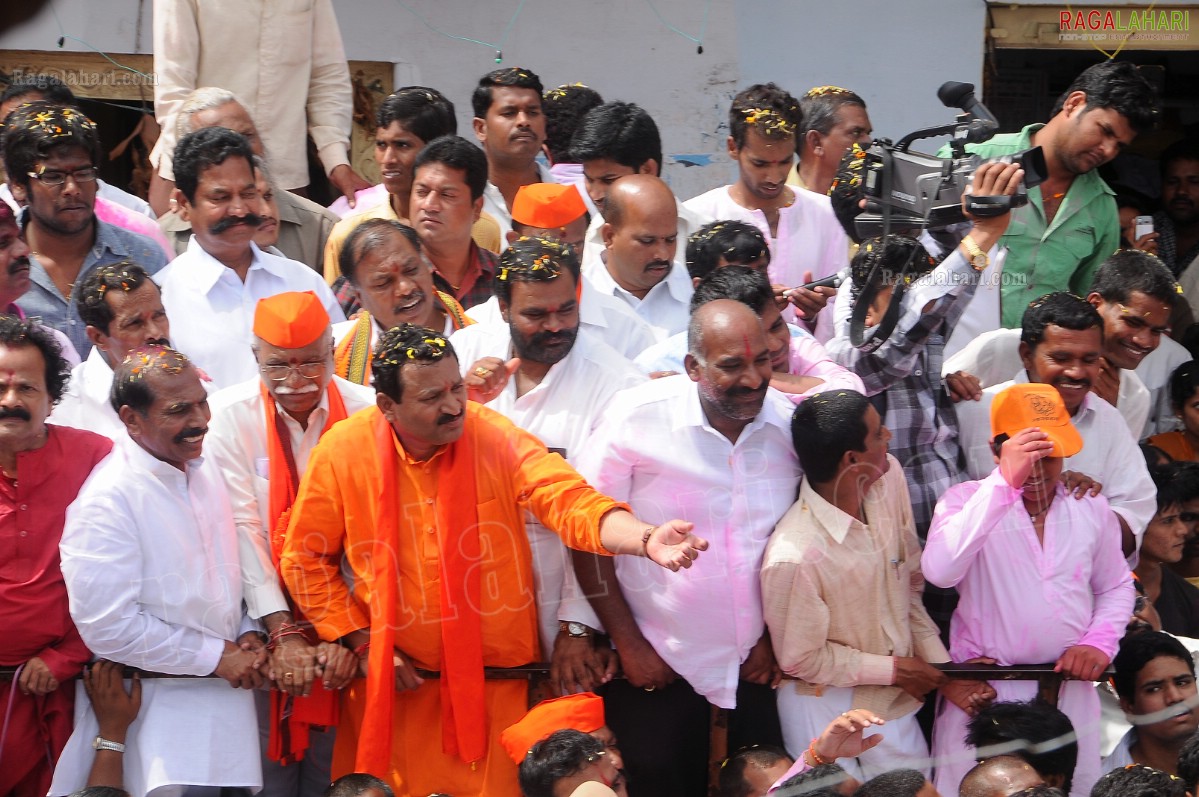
{"points": [[1070, 224]]}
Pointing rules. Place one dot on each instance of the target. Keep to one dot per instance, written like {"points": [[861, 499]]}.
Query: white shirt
{"points": [[212, 311], [667, 306], [493, 203], [1109, 453], [994, 356], [237, 441], [596, 271], [85, 404], [611, 319], [809, 239], [150, 560], [656, 450], [1155, 372], [562, 411]]}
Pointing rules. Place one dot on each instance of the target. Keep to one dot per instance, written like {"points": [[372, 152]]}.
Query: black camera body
{"points": [[908, 190]]}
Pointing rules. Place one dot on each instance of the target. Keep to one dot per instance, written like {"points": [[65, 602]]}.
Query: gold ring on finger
{"points": [[482, 372]]}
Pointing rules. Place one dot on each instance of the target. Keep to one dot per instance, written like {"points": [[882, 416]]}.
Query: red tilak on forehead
{"points": [[748, 354]]}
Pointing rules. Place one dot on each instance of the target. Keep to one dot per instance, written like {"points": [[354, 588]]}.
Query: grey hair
{"points": [[695, 338], [201, 99]]}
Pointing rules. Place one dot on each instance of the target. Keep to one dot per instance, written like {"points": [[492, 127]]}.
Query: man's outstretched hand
{"points": [[672, 545]]}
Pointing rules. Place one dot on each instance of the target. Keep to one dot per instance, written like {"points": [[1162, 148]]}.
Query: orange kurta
{"points": [[336, 513]]}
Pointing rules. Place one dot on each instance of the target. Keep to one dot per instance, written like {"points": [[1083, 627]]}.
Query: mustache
{"points": [[14, 412], [748, 391], [18, 262], [229, 222], [657, 264], [399, 309], [284, 390], [159, 342], [447, 418], [192, 431]]}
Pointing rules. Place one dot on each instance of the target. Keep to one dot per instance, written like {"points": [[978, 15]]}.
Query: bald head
{"points": [[999, 777], [214, 107], [644, 194]]}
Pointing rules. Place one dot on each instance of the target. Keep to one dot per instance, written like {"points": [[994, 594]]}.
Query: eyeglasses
{"points": [[1140, 604], [279, 373], [56, 178]]}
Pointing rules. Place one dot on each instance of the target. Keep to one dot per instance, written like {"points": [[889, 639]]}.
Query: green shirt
{"points": [[1061, 256]]}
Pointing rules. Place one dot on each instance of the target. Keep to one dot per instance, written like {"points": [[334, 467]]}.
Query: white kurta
{"points": [[150, 559], [656, 451], [493, 203], [237, 441], [994, 356], [809, 239], [85, 405], [562, 411], [212, 311]]}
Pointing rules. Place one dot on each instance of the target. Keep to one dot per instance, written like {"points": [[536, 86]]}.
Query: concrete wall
{"points": [[895, 54]]}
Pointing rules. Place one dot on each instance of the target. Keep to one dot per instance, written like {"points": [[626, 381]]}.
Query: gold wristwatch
{"points": [[978, 258]]}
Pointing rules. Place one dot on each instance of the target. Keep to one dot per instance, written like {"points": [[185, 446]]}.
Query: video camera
{"points": [[906, 189]]}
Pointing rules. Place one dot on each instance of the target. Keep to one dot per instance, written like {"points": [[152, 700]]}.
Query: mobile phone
{"points": [[1144, 226]]}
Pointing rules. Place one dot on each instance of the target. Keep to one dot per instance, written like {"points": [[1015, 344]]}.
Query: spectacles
{"points": [[55, 178], [279, 373], [1140, 604]]}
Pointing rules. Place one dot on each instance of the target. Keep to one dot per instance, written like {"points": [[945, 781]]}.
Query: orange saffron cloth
{"points": [[336, 514]]}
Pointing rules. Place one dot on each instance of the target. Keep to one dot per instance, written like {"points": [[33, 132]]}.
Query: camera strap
{"points": [[867, 343]]}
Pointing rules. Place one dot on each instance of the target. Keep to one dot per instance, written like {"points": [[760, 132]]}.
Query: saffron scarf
{"points": [[352, 359], [461, 683], [291, 717]]}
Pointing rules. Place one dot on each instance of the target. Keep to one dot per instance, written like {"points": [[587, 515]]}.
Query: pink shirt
{"points": [[1023, 602], [120, 216]]}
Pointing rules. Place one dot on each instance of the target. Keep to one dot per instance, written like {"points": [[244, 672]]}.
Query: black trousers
{"points": [[664, 734]]}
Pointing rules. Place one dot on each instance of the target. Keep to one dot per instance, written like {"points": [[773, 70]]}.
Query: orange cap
{"points": [[1034, 404], [582, 712], [290, 320], [547, 206]]}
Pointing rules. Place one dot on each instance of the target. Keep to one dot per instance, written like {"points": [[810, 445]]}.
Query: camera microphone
{"points": [[961, 95]]}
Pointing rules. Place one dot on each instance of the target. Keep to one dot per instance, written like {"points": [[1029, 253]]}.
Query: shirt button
{"points": [[429, 501], [23, 507], [24, 533], [919, 372], [430, 529]]}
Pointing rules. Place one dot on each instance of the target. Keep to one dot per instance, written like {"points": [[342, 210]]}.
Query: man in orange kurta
{"points": [[424, 497]]}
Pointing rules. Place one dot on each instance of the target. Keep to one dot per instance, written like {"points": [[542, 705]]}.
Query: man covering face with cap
{"points": [[1041, 575], [261, 434]]}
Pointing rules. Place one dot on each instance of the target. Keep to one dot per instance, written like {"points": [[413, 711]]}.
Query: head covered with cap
{"points": [[290, 320], [582, 712], [1034, 404], [547, 205]]}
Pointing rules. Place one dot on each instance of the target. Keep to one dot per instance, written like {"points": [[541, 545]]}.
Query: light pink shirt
{"points": [[120, 216], [1023, 602]]}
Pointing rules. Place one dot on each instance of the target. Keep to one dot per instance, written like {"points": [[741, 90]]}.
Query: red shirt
{"points": [[33, 599]]}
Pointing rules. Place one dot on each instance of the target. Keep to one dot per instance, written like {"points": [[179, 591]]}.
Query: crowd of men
{"points": [[316, 502]]}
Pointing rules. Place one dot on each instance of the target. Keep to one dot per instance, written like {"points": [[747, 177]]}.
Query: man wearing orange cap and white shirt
{"points": [[551, 210], [261, 434], [1041, 574], [582, 712]]}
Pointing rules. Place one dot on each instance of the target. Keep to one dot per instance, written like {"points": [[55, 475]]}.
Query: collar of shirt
{"points": [[96, 376], [677, 283], [164, 472], [206, 271], [1085, 410], [107, 238], [316, 419], [692, 413], [831, 518]]}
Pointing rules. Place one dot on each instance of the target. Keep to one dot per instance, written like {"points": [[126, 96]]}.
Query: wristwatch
{"points": [[100, 743], [978, 258], [575, 630]]}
